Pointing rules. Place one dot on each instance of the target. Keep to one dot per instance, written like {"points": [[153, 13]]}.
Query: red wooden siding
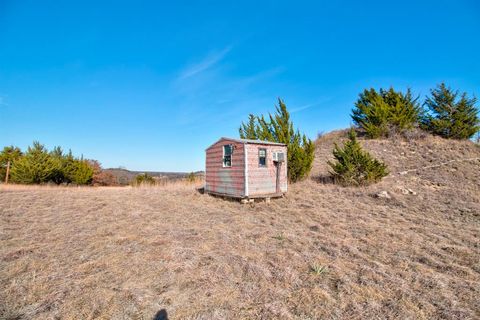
{"points": [[232, 180], [262, 180], [228, 180]]}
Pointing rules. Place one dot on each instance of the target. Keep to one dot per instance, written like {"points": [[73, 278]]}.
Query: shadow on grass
{"points": [[324, 179], [161, 315]]}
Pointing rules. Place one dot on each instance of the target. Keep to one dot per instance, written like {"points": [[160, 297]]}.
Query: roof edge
{"points": [[248, 141]]}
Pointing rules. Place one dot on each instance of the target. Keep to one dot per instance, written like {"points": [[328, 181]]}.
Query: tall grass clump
{"points": [[353, 166]]}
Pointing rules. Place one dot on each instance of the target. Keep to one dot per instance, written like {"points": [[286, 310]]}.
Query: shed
{"points": [[243, 168]]}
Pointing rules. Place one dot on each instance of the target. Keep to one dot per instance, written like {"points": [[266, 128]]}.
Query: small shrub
{"points": [[450, 117], [354, 166], [144, 179], [191, 177], [386, 111], [100, 176]]}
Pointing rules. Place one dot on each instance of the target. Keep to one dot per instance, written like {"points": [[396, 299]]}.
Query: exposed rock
{"points": [[407, 191], [383, 194]]}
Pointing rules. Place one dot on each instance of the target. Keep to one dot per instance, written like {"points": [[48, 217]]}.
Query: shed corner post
{"points": [[245, 164]]}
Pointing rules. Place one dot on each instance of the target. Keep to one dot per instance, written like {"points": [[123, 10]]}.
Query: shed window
{"points": [[262, 157], [227, 155]]}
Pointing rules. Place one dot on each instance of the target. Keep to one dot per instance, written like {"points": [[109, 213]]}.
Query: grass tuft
{"points": [[279, 237], [318, 269]]}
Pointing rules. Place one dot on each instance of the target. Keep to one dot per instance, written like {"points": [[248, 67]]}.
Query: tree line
{"points": [[377, 114], [38, 165], [445, 112]]}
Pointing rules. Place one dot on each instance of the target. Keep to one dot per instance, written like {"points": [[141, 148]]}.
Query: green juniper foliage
{"points": [[450, 117], [250, 129], [354, 166], [279, 128], [380, 113], [58, 175], [11, 154], [38, 165], [83, 172]]}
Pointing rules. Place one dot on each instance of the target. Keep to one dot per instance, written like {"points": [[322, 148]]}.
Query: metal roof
{"points": [[249, 141]]}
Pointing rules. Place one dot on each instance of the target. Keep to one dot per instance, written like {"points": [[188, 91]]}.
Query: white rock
{"points": [[411, 192], [383, 194], [408, 191]]}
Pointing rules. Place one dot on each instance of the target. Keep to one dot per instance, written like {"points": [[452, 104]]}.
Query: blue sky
{"points": [[149, 85]]}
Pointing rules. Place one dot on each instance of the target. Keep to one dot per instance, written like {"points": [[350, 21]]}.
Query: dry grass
{"points": [[321, 252]]}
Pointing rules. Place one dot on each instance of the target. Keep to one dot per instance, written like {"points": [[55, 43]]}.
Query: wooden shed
{"points": [[246, 169]]}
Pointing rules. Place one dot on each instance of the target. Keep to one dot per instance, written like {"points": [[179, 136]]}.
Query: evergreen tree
{"points": [[265, 130], [58, 170], [354, 166], [449, 116], [69, 167], [282, 126], [249, 130], [279, 128], [83, 173], [8, 154], [378, 113], [36, 166]]}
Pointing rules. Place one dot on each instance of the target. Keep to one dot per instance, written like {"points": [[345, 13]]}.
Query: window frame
{"points": [[266, 157], [230, 155]]}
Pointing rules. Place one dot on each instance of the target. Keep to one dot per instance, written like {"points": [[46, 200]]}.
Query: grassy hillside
{"points": [[323, 251]]}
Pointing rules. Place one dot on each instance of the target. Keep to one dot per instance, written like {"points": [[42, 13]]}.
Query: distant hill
{"points": [[125, 176]]}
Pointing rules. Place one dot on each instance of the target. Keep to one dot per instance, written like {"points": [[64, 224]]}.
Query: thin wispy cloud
{"points": [[304, 107], [308, 106], [207, 63], [263, 75]]}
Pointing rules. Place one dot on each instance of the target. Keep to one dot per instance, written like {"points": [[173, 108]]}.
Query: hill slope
{"points": [[125, 252]]}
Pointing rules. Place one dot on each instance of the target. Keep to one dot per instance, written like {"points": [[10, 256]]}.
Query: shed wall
{"points": [[225, 180], [262, 180]]}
